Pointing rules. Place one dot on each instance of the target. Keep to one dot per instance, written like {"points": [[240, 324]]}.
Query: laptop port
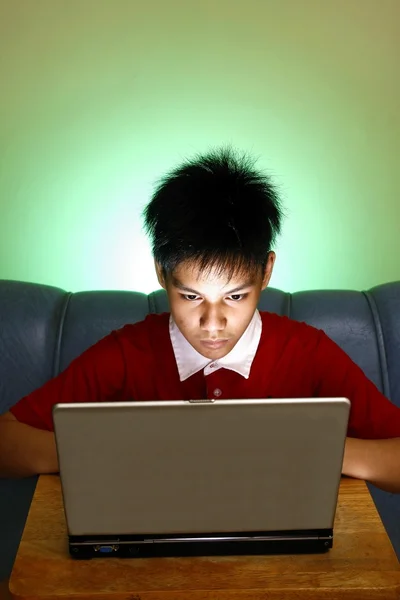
{"points": [[103, 549]]}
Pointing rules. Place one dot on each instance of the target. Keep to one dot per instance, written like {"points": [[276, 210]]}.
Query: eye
{"points": [[190, 297], [237, 297]]}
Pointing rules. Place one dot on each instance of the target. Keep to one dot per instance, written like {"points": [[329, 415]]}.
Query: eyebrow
{"points": [[176, 283]]}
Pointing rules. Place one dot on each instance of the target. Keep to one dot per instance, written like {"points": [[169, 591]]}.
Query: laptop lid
{"points": [[169, 467]]}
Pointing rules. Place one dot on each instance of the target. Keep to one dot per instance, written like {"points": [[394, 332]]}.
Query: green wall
{"points": [[98, 98]]}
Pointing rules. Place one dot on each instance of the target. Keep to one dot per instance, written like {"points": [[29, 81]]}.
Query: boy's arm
{"points": [[27, 442], [376, 461], [25, 450], [372, 450]]}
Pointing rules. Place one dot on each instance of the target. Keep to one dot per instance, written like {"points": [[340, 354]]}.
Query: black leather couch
{"points": [[43, 328]]}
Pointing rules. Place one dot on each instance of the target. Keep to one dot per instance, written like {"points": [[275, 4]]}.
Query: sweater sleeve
{"points": [[372, 415], [96, 375]]}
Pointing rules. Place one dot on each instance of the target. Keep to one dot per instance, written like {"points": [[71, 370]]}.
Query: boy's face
{"points": [[211, 312]]}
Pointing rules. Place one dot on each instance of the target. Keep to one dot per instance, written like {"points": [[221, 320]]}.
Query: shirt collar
{"points": [[239, 359]]}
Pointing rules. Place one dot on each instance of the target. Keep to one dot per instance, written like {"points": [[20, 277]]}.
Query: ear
{"points": [[160, 275], [269, 267]]}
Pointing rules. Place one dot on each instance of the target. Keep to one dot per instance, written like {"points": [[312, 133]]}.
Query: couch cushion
{"points": [[92, 315], [29, 324]]}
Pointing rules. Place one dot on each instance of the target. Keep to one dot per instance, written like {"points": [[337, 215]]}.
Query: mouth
{"points": [[214, 344]]}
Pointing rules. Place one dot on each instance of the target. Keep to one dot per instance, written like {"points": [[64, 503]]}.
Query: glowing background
{"points": [[99, 98]]}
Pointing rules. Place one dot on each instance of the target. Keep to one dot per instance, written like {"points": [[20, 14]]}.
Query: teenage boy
{"points": [[212, 222]]}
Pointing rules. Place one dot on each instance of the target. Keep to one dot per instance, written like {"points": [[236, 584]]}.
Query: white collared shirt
{"points": [[239, 359]]}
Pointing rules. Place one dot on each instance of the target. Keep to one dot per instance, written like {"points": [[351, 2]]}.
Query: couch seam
{"points": [[151, 303], [289, 305], [57, 351], [381, 342]]}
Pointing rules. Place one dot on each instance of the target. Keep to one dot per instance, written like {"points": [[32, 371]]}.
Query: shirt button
{"points": [[217, 392], [213, 365]]}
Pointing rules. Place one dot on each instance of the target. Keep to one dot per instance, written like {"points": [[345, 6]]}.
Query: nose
{"points": [[212, 319]]}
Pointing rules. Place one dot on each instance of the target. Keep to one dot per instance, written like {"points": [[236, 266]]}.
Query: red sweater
{"points": [[293, 360]]}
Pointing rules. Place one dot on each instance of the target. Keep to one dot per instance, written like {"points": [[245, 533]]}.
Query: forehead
{"points": [[194, 276]]}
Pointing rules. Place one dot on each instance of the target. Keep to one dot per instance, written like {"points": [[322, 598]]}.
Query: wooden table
{"points": [[362, 565]]}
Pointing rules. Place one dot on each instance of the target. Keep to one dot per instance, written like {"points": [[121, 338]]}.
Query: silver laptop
{"points": [[174, 478]]}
